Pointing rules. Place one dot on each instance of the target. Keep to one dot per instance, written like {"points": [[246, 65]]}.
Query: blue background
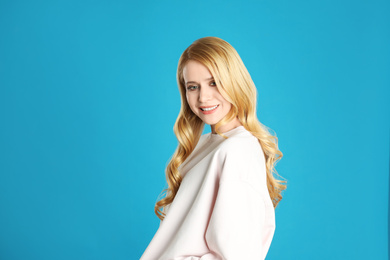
{"points": [[88, 99]]}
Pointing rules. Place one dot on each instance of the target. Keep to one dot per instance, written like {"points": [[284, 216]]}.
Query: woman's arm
{"points": [[242, 222], [237, 227]]}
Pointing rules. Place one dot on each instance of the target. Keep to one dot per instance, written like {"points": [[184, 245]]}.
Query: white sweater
{"points": [[222, 209]]}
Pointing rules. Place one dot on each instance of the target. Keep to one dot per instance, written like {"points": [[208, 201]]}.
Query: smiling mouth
{"points": [[209, 108]]}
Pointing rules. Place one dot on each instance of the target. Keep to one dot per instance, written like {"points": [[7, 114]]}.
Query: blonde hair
{"points": [[236, 86]]}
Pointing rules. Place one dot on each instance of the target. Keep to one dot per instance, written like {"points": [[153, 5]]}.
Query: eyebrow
{"points": [[194, 82]]}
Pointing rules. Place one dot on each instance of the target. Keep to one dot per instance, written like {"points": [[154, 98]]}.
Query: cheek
{"points": [[224, 101], [227, 106], [220, 96], [190, 101]]}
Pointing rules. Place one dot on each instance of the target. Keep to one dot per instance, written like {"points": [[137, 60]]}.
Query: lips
{"points": [[209, 108]]}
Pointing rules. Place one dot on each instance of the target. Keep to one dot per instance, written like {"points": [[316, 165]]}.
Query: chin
{"points": [[210, 122]]}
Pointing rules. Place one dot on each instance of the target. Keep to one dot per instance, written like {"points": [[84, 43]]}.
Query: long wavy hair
{"points": [[236, 86]]}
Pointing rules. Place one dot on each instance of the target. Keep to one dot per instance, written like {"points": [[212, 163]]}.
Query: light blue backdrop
{"points": [[88, 99]]}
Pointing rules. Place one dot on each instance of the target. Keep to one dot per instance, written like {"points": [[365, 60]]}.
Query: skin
{"points": [[201, 91]]}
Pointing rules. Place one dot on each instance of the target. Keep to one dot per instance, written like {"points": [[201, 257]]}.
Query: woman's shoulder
{"points": [[242, 159], [241, 142]]}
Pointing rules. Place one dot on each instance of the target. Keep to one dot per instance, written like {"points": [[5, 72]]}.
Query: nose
{"points": [[205, 94]]}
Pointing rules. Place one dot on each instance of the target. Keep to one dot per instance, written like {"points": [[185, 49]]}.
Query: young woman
{"points": [[222, 192]]}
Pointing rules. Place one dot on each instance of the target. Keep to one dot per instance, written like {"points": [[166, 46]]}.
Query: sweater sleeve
{"points": [[235, 230], [241, 225]]}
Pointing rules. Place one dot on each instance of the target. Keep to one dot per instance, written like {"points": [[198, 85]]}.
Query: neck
{"points": [[227, 127]]}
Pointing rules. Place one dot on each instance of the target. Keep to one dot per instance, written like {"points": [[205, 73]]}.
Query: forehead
{"points": [[195, 71]]}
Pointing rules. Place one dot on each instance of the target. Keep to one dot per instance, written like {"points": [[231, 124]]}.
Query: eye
{"points": [[212, 83], [190, 88]]}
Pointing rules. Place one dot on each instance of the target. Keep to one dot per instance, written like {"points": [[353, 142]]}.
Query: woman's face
{"points": [[203, 96]]}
